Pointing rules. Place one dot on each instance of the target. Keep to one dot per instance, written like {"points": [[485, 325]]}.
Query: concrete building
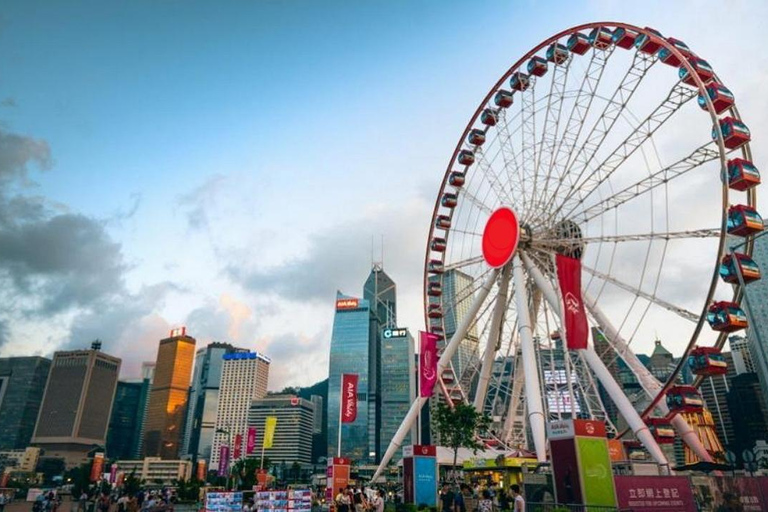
{"points": [[164, 423], [756, 304], [294, 429], [22, 385], [19, 461], [77, 404], [156, 471], [244, 378], [204, 400]]}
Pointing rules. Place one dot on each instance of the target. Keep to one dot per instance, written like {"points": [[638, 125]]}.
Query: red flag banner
{"points": [[238, 445], [572, 306], [427, 363], [348, 397], [97, 467], [250, 440]]}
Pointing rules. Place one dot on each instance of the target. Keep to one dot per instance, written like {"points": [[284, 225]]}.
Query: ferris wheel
{"points": [[620, 149]]}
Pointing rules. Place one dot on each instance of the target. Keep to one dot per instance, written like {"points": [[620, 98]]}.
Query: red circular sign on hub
{"points": [[500, 237]]}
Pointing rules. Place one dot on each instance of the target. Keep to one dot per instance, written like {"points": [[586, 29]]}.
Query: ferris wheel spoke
{"points": [[464, 263], [643, 132], [475, 201], [682, 312], [506, 140], [700, 156], [551, 244], [548, 140], [614, 108], [575, 123], [528, 140], [493, 179]]}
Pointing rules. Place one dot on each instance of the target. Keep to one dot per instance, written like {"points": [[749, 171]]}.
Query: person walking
{"points": [[3, 501], [447, 498], [378, 501], [519, 502]]}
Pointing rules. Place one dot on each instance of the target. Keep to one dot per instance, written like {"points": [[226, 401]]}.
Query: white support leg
{"points": [[499, 310], [536, 418], [648, 382], [445, 358], [633, 418]]}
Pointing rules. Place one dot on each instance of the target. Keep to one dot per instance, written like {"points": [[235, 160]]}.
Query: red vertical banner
{"points": [[571, 303], [238, 445], [427, 363], [4, 479], [113, 473], [200, 470], [98, 467], [348, 397], [250, 440]]}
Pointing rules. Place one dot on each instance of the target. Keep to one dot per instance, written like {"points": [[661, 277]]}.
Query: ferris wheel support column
{"points": [[493, 340], [648, 382], [445, 359], [613, 389], [532, 385]]}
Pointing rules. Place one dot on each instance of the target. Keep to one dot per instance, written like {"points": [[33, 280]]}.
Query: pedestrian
{"points": [[519, 502], [486, 502], [342, 501], [378, 501], [3, 501], [132, 505], [82, 503], [447, 498], [103, 504]]}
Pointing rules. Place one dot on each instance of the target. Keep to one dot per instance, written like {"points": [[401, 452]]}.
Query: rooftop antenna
{"points": [[96, 345]]}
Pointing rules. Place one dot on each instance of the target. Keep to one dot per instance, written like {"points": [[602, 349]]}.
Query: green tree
{"points": [[459, 427], [80, 478], [244, 471], [132, 483]]}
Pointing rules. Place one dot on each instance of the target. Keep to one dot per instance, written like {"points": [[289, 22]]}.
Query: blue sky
{"points": [[239, 156]]}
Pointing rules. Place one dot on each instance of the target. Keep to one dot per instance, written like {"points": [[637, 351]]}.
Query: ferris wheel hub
{"points": [[501, 237]]}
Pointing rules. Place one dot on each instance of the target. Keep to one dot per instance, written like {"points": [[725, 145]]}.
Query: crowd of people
{"points": [[468, 499], [359, 500], [142, 501]]}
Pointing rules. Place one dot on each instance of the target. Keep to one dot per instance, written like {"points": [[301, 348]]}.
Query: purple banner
{"points": [[250, 440], [223, 460]]}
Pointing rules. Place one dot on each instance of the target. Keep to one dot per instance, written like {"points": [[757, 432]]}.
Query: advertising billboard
{"points": [[596, 471], [655, 493]]}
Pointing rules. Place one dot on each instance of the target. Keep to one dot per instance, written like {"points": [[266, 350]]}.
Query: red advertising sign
{"points": [[250, 440], [98, 467], [427, 363], [571, 303], [238, 445], [348, 397], [654, 493], [589, 428], [347, 303]]}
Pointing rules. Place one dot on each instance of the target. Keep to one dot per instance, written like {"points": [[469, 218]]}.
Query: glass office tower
{"points": [[350, 347]]}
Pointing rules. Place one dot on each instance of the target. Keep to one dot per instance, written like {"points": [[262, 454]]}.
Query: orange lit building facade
{"points": [[164, 423]]}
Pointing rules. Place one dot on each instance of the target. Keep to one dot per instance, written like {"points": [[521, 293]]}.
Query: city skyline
{"points": [[152, 168]]}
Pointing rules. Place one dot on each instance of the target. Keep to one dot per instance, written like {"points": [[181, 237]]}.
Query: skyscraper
{"points": [[22, 384], [292, 441], [204, 400], [163, 426], [398, 383], [350, 349], [244, 378], [147, 376], [713, 390], [748, 411], [77, 404], [742, 354], [457, 295], [126, 412], [380, 292], [757, 303]]}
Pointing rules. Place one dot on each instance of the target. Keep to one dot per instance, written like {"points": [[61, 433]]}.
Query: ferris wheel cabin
{"points": [[466, 157], [578, 43], [722, 98], [743, 220], [735, 133], [701, 68], [600, 38], [438, 244], [435, 311], [449, 200], [726, 316], [557, 53], [684, 399], [519, 81], [457, 179], [476, 137], [443, 222], [662, 431], [537, 66], [624, 38], [436, 267], [489, 117], [649, 44], [503, 98], [742, 174], [667, 57], [435, 289], [749, 270], [707, 361]]}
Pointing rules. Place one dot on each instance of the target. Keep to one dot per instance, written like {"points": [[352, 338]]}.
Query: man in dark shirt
{"points": [[447, 499]]}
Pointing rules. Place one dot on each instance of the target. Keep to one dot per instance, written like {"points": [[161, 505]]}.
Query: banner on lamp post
{"points": [[269, 431], [250, 440], [113, 473], [200, 470], [427, 363], [349, 397], [223, 460], [238, 445], [571, 302], [97, 466]]}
